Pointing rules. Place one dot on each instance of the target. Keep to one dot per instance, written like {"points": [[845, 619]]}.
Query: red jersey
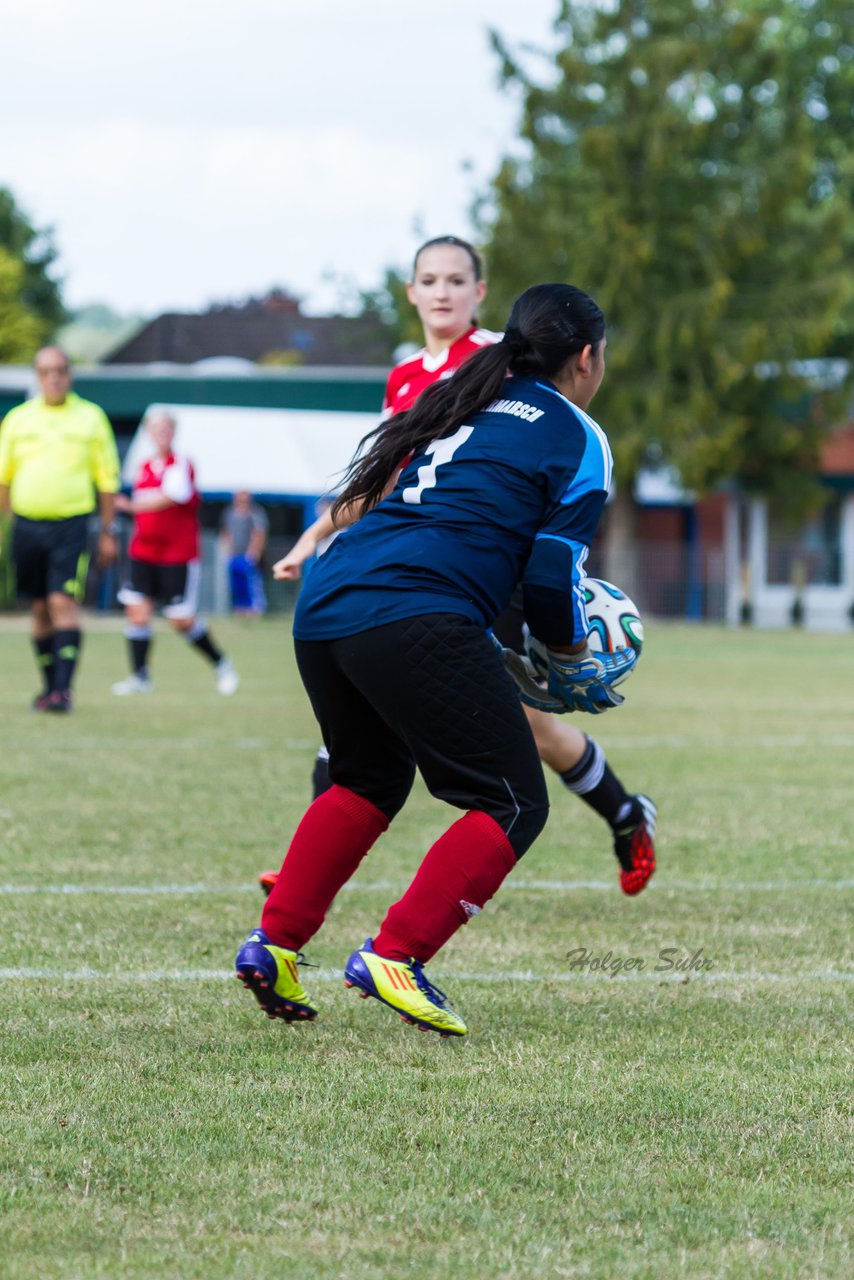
{"points": [[409, 378], [170, 535]]}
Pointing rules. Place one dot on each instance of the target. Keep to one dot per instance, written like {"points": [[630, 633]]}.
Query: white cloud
{"points": [[184, 152]]}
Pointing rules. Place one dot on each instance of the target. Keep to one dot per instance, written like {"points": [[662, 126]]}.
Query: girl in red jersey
{"points": [[164, 561], [446, 289]]}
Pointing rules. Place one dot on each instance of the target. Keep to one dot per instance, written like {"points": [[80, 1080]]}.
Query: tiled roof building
{"points": [[269, 330]]}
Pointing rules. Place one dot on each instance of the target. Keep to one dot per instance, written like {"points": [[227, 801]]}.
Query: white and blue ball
{"points": [[613, 619]]}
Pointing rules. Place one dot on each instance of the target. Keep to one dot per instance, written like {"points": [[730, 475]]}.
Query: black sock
{"points": [[45, 661], [66, 651], [320, 779], [139, 644], [595, 782], [200, 638], [139, 656]]}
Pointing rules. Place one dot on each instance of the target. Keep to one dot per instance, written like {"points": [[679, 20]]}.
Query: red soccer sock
{"points": [[461, 872], [328, 845]]}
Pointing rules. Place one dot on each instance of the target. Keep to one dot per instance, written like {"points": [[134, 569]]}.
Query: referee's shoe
{"points": [[57, 701]]}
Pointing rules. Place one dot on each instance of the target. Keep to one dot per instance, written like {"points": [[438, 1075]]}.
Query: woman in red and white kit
{"points": [[164, 561], [446, 289]]}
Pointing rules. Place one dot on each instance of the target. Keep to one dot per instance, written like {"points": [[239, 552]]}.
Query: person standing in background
{"points": [[165, 563], [57, 451], [243, 538]]}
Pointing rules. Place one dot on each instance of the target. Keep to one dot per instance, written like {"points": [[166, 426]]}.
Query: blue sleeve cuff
{"points": [[553, 603]]}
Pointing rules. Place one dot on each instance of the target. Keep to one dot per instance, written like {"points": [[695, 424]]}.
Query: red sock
{"points": [[459, 874], [328, 845]]}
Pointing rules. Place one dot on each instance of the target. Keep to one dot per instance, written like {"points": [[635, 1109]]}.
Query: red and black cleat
{"points": [[634, 845], [266, 880]]}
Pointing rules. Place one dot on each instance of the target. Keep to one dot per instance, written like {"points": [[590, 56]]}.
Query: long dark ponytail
{"points": [[548, 324]]}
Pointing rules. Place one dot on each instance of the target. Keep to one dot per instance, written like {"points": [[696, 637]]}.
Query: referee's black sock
{"points": [[596, 783], [43, 646], [200, 638], [66, 651]]}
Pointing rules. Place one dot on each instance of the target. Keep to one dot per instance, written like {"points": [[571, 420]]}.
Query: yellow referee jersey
{"points": [[53, 457]]}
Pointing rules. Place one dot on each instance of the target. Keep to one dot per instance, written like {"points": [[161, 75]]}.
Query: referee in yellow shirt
{"points": [[56, 452]]}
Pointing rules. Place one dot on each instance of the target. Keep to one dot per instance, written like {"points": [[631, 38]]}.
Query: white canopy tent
{"points": [[274, 453]]}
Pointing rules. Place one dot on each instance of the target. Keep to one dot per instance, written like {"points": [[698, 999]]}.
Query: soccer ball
{"points": [[613, 620]]}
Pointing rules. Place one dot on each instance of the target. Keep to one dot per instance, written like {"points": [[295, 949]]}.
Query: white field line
{"points": [[397, 886], [336, 975], [672, 742], [103, 743]]}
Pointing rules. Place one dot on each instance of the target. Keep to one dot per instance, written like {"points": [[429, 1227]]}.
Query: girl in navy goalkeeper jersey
{"points": [[503, 480], [446, 288]]}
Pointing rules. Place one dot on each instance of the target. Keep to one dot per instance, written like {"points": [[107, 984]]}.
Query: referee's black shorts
{"points": [[432, 692], [51, 556]]}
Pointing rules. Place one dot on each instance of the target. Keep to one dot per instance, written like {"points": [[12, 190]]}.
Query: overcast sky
{"points": [[186, 152]]}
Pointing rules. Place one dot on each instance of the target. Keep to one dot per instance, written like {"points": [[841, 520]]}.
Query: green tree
{"points": [[21, 331], [386, 302], [389, 303], [689, 162], [40, 293]]}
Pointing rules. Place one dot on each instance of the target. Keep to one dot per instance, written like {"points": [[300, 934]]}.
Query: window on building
{"points": [[810, 555]]}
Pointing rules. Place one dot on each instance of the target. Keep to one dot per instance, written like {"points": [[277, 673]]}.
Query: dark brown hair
{"points": [[456, 243]]}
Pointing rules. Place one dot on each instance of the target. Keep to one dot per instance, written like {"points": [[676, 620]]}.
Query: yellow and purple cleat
{"points": [[270, 973], [403, 987]]}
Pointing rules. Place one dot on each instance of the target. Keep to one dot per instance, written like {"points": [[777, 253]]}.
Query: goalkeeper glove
{"points": [[581, 681], [531, 689], [585, 681]]}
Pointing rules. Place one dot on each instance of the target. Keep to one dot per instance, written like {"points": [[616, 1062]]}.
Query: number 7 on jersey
{"points": [[441, 451]]}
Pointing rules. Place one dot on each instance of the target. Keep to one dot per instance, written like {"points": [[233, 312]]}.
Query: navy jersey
{"points": [[515, 494]]}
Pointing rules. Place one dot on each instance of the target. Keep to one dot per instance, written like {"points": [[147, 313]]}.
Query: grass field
{"points": [[659, 1123]]}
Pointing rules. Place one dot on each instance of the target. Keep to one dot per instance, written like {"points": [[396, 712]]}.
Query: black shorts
{"points": [[431, 692], [509, 626], [51, 556], [175, 586]]}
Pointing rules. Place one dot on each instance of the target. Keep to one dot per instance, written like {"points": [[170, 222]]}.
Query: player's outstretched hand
{"points": [[289, 568], [585, 681]]}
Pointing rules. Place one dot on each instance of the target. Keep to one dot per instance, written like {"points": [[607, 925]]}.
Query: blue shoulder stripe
{"points": [[597, 461]]}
